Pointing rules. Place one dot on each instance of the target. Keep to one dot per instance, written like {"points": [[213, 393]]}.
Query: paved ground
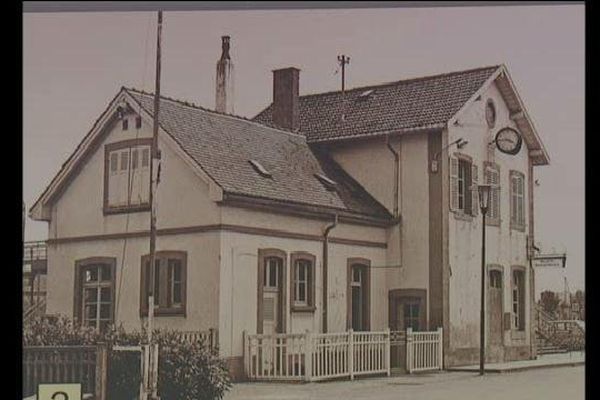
{"points": [[548, 360], [547, 383]]}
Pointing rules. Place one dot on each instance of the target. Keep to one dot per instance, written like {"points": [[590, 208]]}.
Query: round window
{"points": [[490, 113]]}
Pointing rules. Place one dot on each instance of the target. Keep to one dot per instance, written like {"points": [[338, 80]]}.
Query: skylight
{"points": [[366, 93], [329, 184], [259, 168]]}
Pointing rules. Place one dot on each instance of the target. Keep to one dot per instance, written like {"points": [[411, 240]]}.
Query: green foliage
{"points": [[187, 370]]}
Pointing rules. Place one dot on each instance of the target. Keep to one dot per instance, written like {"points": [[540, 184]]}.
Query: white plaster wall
{"points": [[504, 246], [371, 163], [238, 287], [202, 278], [78, 211]]}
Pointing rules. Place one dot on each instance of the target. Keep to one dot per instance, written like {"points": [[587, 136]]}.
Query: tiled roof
{"points": [[402, 105], [223, 144]]}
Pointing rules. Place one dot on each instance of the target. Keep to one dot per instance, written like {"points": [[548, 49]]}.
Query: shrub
{"points": [[187, 371]]}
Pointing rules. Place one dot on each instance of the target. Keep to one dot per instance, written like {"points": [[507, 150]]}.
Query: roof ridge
{"points": [[390, 83], [224, 114]]}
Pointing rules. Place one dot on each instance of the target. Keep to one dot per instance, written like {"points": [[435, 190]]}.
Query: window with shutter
{"points": [[127, 176], [169, 283], [517, 200], [492, 178], [463, 198], [453, 183], [474, 191]]}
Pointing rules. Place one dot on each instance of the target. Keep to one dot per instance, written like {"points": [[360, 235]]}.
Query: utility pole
{"points": [[343, 60], [154, 162]]}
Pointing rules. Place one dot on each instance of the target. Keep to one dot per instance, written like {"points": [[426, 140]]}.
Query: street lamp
{"points": [[484, 202]]}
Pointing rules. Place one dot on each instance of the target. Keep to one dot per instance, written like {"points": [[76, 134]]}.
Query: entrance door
{"points": [[271, 309], [495, 307], [407, 309]]}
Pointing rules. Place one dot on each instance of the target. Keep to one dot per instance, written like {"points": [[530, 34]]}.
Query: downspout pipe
{"points": [[328, 229], [396, 173]]}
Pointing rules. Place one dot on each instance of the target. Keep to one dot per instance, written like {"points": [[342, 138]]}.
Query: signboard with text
{"points": [[554, 260], [59, 391]]}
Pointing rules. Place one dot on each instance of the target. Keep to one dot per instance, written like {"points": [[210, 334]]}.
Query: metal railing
{"points": [[35, 250], [66, 364]]}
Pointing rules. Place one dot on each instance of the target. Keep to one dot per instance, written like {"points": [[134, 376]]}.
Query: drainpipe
{"points": [[396, 195], [325, 262], [396, 173]]}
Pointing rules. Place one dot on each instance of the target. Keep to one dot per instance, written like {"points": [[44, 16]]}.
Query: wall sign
{"points": [[59, 391], [550, 260]]}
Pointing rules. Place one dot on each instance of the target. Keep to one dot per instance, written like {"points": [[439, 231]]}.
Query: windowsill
{"points": [[108, 210], [517, 335], [303, 309], [515, 227], [461, 216], [492, 222], [166, 312]]}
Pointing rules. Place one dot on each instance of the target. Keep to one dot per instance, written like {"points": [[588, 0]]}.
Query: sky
{"points": [[74, 63]]}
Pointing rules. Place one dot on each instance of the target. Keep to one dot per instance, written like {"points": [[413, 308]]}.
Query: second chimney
{"points": [[286, 108], [224, 95]]}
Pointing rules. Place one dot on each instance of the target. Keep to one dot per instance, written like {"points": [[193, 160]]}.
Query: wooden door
{"points": [[495, 288]]}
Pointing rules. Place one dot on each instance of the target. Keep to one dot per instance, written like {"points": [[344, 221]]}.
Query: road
{"points": [[547, 383]]}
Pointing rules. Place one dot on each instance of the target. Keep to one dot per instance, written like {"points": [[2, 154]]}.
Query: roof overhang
{"points": [[304, 210], [41, 209], [518, 113], [400, 131]]}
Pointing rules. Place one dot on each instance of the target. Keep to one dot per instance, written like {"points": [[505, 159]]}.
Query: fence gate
{"points": [[148, 367], [398, 351], [65, 364]]}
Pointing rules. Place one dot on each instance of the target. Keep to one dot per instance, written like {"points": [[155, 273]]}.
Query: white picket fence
{"points": [[423, 350], [320, 356]]}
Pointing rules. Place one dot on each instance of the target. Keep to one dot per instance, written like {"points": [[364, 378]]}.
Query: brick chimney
{"points": [[224, 94], [286, 109]]}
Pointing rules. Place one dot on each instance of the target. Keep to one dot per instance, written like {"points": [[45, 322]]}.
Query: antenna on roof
{"points": [[343, 60]]}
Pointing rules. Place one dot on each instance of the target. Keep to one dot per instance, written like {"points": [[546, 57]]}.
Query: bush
{"points": [[187, 371]]}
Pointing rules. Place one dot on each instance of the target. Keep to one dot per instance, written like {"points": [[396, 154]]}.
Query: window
{"points": [[125, 124], [138, 122], [411, 313], [496, 279], [169, 283], [328, 183], [463, 186], [303, 281], [127, 176], [492, 177], [259, 168], [517, 200], [518, 300], [358, 294], [94, 292]]}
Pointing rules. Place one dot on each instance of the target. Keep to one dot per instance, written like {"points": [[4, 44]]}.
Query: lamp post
{"points": [[484, 201]]}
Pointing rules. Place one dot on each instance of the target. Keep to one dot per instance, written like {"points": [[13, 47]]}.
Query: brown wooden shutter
{"points": [[453, 171], [474, 191], [495, 181]]}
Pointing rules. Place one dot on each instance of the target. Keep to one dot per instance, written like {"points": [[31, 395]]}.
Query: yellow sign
{"points": [[59, 391]]}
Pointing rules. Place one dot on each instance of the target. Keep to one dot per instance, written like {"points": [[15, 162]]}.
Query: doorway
{"points": [[495, 288], [407, 309]]}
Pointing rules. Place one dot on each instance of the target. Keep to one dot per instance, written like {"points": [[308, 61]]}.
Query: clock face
{"points": [[490, 113], [508, 141]]}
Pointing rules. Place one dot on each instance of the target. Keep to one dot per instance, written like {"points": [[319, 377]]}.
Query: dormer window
{"points": [[259, 168], [328, 183], [127, 176]]}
